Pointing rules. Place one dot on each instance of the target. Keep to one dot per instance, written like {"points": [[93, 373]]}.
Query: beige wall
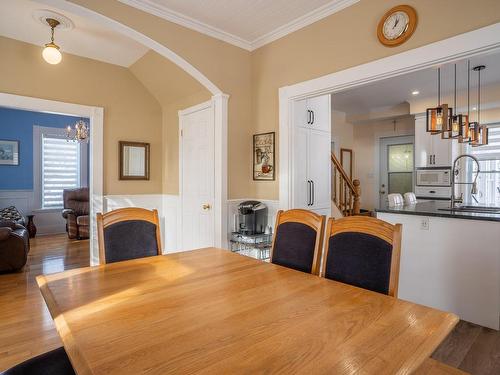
{"points": [[175, 90], [366, 153], [342, 40], [130, 112], [342, 132]]}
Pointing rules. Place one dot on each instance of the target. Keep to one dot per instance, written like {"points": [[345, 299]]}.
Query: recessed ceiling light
{"points": [[474, 108], [415, 92]]}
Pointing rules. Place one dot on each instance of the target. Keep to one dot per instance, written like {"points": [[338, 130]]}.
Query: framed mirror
{"points": [[346, 160], [134, 160]]}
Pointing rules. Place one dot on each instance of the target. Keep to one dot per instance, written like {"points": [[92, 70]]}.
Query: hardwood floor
{"points": [[26, 328]]}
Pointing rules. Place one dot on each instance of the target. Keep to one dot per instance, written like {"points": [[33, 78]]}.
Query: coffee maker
{"points": [[252, 218]]}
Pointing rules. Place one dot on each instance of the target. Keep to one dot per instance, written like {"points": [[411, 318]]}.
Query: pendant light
{"points": [[480, 135], [51, 53], [438, 117], [457, 122]]}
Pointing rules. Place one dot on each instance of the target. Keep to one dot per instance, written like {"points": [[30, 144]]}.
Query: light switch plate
{"points": [[424, 223]]}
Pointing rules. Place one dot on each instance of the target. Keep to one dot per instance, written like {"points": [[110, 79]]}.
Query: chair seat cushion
{"points": [[361, 260], [83, 220], [55, 362]]}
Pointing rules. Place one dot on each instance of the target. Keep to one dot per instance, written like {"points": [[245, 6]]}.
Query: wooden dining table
{"points": [[212, 311]]}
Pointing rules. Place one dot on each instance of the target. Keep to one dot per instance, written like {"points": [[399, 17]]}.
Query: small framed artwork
{"points": [[134, 161], [346, 160], [263, 157], [9, 152]]}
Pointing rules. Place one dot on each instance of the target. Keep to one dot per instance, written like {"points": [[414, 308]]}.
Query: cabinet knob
{"points": [[206, 206]]}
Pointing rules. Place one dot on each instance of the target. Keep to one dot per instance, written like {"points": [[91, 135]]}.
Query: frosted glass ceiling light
{"points": [[51, 53]]}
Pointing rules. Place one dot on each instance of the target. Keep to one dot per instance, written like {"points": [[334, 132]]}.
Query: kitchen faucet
{"points": [[455, 173]]}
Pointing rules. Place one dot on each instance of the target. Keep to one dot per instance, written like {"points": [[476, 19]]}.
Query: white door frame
{"points": [[218, 105], [473, 43], [96, 116]]}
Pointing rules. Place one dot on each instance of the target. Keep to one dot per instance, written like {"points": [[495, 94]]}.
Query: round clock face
{"points": [[395, 25]]}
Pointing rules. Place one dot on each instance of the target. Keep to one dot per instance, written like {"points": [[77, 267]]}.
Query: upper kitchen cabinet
{"points": [[432, 150], [313, 113]]}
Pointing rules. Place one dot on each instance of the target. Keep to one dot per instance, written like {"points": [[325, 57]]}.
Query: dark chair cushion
{"points": [[130, 239], [294, 246], [55, 362], [361, 260]]}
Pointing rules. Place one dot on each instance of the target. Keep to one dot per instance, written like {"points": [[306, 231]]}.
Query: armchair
{"points": [[76, 212], [14, 246]]}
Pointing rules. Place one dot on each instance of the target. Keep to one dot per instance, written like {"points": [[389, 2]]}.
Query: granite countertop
{"points": [[432, 208]]}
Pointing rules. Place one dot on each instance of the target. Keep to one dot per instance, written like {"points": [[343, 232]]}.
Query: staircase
{"points": [[346, 193]]}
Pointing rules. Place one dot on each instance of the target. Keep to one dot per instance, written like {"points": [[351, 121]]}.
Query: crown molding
{"points": [[326, 10], [303, 21], [191, 23]]}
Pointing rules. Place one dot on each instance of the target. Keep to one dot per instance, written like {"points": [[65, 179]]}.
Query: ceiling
{"points": [[246, 23], [86, 39], [393, 91]]}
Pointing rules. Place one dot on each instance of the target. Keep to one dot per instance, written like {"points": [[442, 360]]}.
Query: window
{"points": [[59, 165], [488, 181]]}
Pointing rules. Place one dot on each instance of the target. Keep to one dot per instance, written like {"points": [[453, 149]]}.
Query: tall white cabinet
{"points": [[311, 154], [432, 150]]}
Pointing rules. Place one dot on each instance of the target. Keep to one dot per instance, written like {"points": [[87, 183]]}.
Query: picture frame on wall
{"points": [[134, 160], [264, 157], [9, 152]]}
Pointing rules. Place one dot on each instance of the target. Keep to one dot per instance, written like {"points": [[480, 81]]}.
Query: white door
{"points": [[441, 149], [396, 166], [301, 115], [319, 169], [423, 144], [320, 108], [301, 184], [197, 177]]}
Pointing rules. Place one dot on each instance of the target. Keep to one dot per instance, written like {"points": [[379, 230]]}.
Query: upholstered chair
{"points": [[55, 362], [364, 252], [76, 212], [14, 246], [128, 233], [298, 239]]}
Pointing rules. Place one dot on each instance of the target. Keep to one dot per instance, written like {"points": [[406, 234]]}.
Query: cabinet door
{"points": [[301, 115], [321, 113], [423, 144], [441, 149], [300, 186], [318, 164]]}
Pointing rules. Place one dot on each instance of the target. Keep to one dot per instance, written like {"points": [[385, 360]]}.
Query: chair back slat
{"points": [[298, 239], [128, 233], [363, 251]]}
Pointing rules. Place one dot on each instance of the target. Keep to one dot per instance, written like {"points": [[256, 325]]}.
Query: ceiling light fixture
{"points": [[416, 92], [51, 52], [437, 117], [456, 123], [80, 133], [480, 134]]}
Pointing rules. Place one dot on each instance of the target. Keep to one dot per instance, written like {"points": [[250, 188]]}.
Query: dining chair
{"points": [[298, 239], [128, 233], [363, 251], [55, 362]]}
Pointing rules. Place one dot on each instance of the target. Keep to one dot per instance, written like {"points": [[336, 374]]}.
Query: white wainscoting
{"points": [[232, 211], [168, 212], [46, 221]]}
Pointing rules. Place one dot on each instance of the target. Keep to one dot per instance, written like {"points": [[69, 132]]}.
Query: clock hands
{"points": [[396, 23]]}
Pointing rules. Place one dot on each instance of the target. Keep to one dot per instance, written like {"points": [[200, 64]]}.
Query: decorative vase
{"points": [[31, 227]]}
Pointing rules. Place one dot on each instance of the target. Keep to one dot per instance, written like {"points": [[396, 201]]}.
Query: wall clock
{"points": [[397, 25]]}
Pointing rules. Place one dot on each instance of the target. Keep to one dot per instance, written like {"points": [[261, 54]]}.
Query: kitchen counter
{"points": [[432, 208]]}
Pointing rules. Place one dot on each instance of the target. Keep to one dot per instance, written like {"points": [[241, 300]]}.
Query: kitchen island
{"points": [[450, 260]]}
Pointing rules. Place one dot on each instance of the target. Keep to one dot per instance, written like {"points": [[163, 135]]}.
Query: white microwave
{"points": [[433, 177]]}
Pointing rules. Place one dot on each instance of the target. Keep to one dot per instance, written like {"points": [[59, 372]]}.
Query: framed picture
{"points": [[263, 157], [134, 161], [9, 152]]}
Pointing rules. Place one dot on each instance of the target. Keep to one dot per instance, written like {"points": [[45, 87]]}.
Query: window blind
{"points": [[60, 169]]}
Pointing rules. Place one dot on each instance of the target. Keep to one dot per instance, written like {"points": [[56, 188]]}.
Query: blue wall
{"points": [[17, 125]]}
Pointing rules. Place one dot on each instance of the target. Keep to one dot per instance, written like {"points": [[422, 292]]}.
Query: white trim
{"points": [[448, 50], [138, 37], [170, 15], [301, 22], [96, 115]]}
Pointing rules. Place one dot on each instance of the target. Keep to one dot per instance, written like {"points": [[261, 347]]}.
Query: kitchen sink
{"points": [[478, 209]]}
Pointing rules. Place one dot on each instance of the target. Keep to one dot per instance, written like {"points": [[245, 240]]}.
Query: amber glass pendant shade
{"points": [[473, 133], [481, 137], [455, 127], [438, 118], [465, 132]]}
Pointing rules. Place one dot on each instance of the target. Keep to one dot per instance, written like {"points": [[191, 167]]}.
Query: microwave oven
{"points": [[433, 177]]}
